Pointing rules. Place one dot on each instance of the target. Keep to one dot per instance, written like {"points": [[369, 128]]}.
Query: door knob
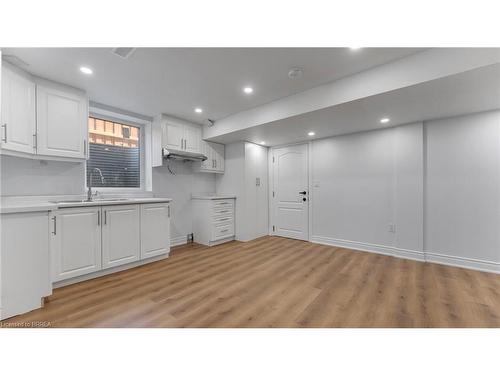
{"points": [[303, 192]]}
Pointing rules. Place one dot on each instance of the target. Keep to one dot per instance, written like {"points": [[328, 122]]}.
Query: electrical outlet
{"points": [[392, 228], [257, 181], [190, 237]]}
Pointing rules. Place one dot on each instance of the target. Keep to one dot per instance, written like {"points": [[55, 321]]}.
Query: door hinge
{"points": [[273, 193], [273, 159], [274, 229]]}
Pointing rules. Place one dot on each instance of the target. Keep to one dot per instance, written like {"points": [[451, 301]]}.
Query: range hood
{"points": [[183, 155]]}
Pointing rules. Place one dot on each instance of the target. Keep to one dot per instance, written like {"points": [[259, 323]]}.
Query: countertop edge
{"points": [[49, 206], [213, 197]]}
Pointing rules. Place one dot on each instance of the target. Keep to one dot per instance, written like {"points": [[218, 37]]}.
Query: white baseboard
{"points": [[408, 254], [354, 245], [179, 240], [474, 264], [448, 260]]}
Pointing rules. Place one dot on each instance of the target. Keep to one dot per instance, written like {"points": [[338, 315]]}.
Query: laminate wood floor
{"points": [[276, 282]]}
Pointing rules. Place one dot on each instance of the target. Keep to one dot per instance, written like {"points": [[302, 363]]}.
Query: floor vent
{"points": [[123, 52]]}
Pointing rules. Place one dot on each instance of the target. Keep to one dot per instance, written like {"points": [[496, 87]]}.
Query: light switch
{"points": [[257, 181]]}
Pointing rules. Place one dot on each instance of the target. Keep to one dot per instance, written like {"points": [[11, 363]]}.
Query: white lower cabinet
{"points": [[155, 229], [24, 262], [85, 240], [75, 242], [121, 241], [213, 222]]}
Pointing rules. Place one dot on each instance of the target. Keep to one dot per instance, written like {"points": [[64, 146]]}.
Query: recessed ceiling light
{"points": [[310, 134], [198, 110], [384, 120], [85, 70], [247, 90], [262, 143], [354, 48]]}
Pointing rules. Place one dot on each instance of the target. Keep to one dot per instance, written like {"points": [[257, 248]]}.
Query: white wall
{"points": [[20, 176], [352, 183], [179, 187], [437, 182], [408, 196], [366, 183], [463, 190]]}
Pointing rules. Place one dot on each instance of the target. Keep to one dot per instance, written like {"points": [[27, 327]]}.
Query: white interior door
{"points": [[290, 203]]}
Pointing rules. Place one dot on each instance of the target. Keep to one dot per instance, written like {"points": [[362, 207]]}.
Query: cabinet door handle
{"points": [[85, 147], [105, 217], [35, 141], [215, 163], [54, 232], [98, 218], [4, 139], [168, 211], [185, 142]]}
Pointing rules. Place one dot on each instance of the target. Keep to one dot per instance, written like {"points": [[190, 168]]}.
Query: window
{"points": [[114, 148]]}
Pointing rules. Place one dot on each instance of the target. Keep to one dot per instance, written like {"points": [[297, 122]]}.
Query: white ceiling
{"points": [[176, 80], [473, 91]]}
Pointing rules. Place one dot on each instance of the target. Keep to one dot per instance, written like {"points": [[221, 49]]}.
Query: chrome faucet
{"points": [[89, 190]]}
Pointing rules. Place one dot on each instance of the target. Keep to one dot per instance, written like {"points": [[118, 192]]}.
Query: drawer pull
{"points": [[225, 230]]}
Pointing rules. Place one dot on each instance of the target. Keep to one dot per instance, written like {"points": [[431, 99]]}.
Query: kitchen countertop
{"points": [[210, 197], [34, 206]]}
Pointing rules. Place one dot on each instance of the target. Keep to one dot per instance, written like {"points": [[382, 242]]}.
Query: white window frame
{"points": [[145, 150]]}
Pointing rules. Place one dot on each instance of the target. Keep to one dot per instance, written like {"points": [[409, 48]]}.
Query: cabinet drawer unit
{"points": [[213, 221], [223, 230]]}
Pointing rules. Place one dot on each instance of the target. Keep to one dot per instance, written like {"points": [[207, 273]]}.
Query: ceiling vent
{"points": [[123, 52]]}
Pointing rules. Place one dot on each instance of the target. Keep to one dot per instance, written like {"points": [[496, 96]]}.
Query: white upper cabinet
{"points": [[62, 116], [173, 135], [215, 158], [18, 111], [178, 135], [192, 138], [42, 119], [218, 150]]}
